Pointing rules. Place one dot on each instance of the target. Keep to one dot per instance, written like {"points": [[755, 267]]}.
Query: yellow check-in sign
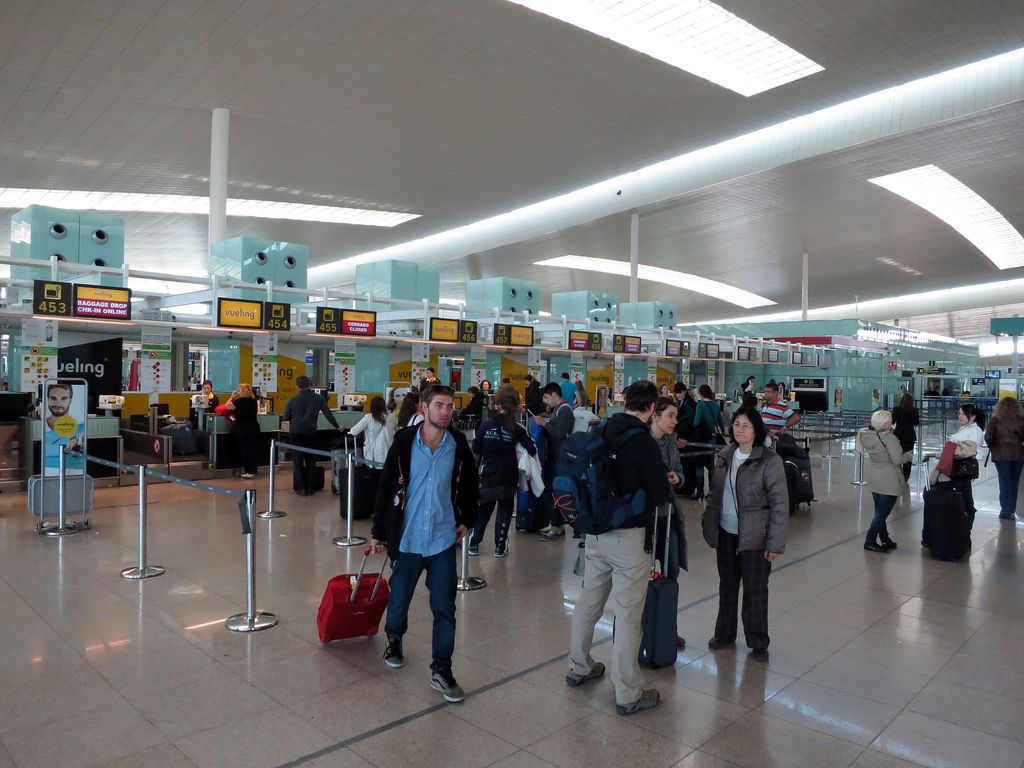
{"points": [[237, 313]]}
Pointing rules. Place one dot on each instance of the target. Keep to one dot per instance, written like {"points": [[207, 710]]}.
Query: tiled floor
{"points": [[878, 661]]}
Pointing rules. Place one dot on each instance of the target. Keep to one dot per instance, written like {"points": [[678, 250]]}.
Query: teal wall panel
{"points": [[372, 368], [224, 364]]}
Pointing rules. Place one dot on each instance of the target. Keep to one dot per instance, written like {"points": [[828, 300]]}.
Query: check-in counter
{"points": [[223, 450], [104, 436]]}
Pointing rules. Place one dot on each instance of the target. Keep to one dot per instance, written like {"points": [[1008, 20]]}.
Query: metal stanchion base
{"points": [[143, 573], [240, 622], [271, 514], [470, 583], [345, 541], [52, 529]]}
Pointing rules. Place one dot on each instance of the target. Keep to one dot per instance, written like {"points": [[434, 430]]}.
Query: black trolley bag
{"points": [[946, 532], [797, 463], [659, 622]]}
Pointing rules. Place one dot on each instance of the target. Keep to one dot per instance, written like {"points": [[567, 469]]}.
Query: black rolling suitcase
{"points": [[317, 480], [659, 622], [797, 462], [946, 532]]}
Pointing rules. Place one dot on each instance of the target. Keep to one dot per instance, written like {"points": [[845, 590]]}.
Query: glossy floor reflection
{"points": [[876, 660]]}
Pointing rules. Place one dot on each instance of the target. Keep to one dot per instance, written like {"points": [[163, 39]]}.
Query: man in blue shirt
{"points": [[426, 503], [568, 389]]}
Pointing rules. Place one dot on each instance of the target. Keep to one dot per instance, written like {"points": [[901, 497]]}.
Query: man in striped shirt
{"points": [[777, 415]]}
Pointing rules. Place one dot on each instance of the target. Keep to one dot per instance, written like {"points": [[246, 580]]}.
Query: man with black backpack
{"points": [[610, 481]]}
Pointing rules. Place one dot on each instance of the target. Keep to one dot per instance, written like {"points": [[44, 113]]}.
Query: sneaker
{"points": [[247, 476], [474, 551], [716, 643], [393, 652], [649, 699], [444, 681], [574, 680], [759, 654], [552, 535], [890, 544], [500, 551], [1007, 517], [871, 546]]}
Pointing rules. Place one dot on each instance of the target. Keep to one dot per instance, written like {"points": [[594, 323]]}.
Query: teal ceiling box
{"points": [[1006, 326], [291, 264], [394, 279], [428, 283], [576, 305], [504, 293], [101, 242], [649, 314], [37, 232], [257, 260]]}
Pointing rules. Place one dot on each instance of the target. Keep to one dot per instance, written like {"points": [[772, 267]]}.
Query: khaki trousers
{"points": [[617, 571]]}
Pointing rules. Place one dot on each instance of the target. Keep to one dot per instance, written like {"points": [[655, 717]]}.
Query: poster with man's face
{"points": [[64, 413]]}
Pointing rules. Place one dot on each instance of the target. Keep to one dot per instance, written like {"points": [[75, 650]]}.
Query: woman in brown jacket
{"points": [[1004, 436], [745, 521]]}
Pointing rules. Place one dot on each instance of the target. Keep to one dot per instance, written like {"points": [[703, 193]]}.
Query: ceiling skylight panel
{"points": [[135, 202], [697, 36], [684, 280], [959, 206]]}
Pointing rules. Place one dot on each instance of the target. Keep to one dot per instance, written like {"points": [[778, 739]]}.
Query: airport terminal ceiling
{"points": [[459, 109]]}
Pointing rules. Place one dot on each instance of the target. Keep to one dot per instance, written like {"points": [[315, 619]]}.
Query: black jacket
{"points": [[534, 400], [904, 420], [389, 509], [496, 447], [638, 464], [475, 407], [684, 421], [302, 412]]}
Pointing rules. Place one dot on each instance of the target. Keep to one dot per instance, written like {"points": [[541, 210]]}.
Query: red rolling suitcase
{"points": [[352, 605]]}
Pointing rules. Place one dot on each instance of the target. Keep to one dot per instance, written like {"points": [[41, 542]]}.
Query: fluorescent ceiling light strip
{"points": [[683, 280], [697, 36], [133, 202], [959, 206]]}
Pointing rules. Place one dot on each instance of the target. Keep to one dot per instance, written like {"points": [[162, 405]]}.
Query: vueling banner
{"points": [[98, 361]]}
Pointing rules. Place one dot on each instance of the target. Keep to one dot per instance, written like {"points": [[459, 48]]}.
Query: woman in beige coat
{"points": [[884, 475]]}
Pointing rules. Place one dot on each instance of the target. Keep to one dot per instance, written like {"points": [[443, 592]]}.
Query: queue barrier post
{"points": [[270, 513], [349, 540], [63, 527], [467, 583], [252, 620], [858, 474], [143, 570]]}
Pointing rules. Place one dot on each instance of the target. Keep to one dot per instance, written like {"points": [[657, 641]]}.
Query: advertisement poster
{"points": [[619, 375], [39, 338], [652, 369], [155, 361], [96, 361], [477, 365], [578, 368], [63, 416], [264, 362], [344, 367]]}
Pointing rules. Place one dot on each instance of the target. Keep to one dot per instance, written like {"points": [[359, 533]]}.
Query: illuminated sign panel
{"points": [[585, 341], [450, 329], [629, 345], [52, 298], [102, 302], [506, 335], [239, 313], [277, 316]]}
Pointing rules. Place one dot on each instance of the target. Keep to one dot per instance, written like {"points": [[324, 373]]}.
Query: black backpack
{"points": [[583, 489]]}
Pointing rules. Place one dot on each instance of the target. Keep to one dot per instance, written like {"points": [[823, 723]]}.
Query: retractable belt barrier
{"points": [[250, 621]]}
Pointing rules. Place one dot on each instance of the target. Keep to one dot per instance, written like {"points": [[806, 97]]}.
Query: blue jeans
{"points": [[883, 506], [441, 580], [1009, 484]]}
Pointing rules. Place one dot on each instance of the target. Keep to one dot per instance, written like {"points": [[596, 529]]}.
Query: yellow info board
{"points": [[238, 313]]}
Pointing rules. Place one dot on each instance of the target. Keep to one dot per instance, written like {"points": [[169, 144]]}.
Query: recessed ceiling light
{"points": [[697, 36], [683, 280], [962, 208], [134, 202]]}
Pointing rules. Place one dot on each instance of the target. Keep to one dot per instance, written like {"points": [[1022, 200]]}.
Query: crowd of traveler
{"points": [[437, 487]]}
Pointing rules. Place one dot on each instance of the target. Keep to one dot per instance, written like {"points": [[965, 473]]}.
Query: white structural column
{"points": [[218, 179], [634, 256], [803, 290]]}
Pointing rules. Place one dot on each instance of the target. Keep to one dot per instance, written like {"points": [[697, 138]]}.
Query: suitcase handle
{"points": [[359, 575]]}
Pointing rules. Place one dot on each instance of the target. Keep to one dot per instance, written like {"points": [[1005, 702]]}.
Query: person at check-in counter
{"points": [[302, 412]]}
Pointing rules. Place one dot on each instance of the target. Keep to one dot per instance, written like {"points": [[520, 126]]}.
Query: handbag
{"points": [[965, 468]]}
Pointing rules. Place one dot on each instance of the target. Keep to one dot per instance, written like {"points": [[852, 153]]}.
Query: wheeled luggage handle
{"points": [[654, 538], [359, 575]]}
